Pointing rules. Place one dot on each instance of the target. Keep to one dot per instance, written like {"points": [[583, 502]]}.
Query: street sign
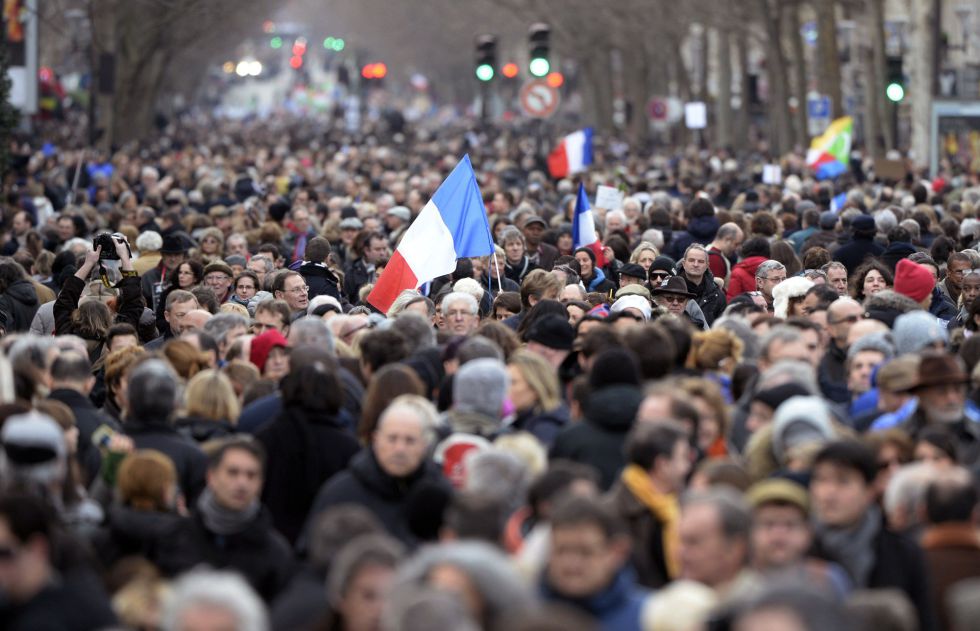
{"points": [[538, 99], [817, 113], [657, 109], [695, 115]]}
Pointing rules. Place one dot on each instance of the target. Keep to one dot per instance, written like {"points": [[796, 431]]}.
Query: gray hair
{"points": [[912, 226], [220, 324], [906, 490], [149, 241], [404, 300], [419, 406], [619, 214], [311, 331], [153, 391], [790, 370], [733, 513], [270, 265], [781, 333], [885, 220], [500, 475], [890, 300], [489, 571], [654, 236], [416, 329], [459, 296], [511, 233], [226, 590], [770, 265], [367, 550], [416, 608]]}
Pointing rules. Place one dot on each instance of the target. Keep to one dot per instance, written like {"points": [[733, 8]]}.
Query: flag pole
{"points": [[500, 284]]}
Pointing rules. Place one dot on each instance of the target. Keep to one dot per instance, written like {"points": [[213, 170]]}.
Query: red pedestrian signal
{"points": [[510, 70], [295, 62], [374, 71]]}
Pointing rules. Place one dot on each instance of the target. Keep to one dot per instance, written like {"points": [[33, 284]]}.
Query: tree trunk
{"points": [[743, 119], [876, 75], [102, 17], [723, 104], [922, 17], [635, 92], [799, 73], [780, 125], [828, 57]]}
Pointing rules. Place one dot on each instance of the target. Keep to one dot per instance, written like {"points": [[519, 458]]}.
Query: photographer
{"points": [[91, 319]]}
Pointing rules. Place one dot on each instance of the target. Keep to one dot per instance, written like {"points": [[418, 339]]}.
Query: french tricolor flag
{"points": [[583, 228], [572, 154], [453, 225]]}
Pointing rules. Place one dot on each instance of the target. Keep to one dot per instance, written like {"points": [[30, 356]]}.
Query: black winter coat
{"points": [[201, 430], [303, 451], [364, 482], [895, 253], [129, 311], [189, 460], [17, 306], [356, 276], [130, 532], [598, 440], [699, 230], [320, 280], [856, 251], [259, 553], [88, 418], [708, 295], [545, 426]]}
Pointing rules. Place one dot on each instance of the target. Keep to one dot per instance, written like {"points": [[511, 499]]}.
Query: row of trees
{"points": [[631, 49]]}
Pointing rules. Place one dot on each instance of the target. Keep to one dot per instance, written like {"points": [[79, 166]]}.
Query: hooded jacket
{"points": [[598, 440], [699, 230], [201, 430], [856, 251], [364, 482], [17, 306], [895, 252], [517, 271], [320, 280], [743, 276], [131, 532], [600, 283]]}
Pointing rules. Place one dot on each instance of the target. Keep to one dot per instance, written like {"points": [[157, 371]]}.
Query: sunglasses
{"points": [[660, 274], [673, 299]]}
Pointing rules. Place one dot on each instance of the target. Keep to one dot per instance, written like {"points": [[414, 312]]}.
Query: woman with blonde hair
{"points": [[212, 243], [644, 254], [535, 394], [716, 353], [713, 415], [185, 358], [211, 407]]}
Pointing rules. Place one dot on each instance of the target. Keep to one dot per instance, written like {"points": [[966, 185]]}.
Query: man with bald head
{"points": [[195, 320], [842, 315]]}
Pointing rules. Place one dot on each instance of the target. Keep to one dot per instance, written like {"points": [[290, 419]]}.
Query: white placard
{"points": [[772, 174], [696, 115], [608, 197]]}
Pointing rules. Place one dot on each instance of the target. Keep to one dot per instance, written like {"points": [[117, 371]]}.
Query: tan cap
{"points": [[900, 374], [633, 290], [778, 490]]}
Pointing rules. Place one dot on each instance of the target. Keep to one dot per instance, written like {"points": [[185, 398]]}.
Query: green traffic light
{"points": [[895, 92], [328, 43], [539, 67], [484, 72], [338, 44], [276, 42]]}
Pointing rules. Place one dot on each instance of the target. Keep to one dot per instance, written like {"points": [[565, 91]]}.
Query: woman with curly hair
{"points": [[869, 278]]}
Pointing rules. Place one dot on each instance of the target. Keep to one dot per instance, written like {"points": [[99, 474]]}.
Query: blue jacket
{"points": [[616, 608]]}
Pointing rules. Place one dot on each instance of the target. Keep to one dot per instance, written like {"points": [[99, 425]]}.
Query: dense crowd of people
{"points": [[754, 407]]}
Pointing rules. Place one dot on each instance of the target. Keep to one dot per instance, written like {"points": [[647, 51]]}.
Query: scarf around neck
{"points": [[664, 507], [223, 521], [853, 547]]}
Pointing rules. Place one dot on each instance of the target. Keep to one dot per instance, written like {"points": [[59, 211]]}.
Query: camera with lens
{"points": [[108, 243]]}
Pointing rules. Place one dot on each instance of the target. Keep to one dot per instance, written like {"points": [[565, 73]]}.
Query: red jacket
{"points": [[743, 276]]}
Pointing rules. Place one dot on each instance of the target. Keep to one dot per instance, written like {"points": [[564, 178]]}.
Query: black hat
{"points": [[552, 331], [863, 223], [535, 219], [672, 285], [633, 271], [663, 263], [828, 219], [173, 244]]}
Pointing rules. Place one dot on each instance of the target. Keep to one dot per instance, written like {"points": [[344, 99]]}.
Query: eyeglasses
{"points": [[297, 290], [457, 313], [673, 299]]}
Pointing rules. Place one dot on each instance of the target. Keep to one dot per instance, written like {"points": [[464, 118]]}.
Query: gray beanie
{"points": [[800, 420], [881, 342], [915, 330], [33, 448], [480, 386]]}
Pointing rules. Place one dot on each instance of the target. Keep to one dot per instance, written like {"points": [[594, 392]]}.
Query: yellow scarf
{"points": [[664, 507]]}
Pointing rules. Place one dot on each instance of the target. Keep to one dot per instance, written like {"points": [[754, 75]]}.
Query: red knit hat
{"points": [[912, 280], [263, 344]]}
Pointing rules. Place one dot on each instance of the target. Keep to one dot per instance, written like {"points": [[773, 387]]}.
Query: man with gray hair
{"points": [[386, 476], [311, 331], [713, 538], [769, 274], [205, 599], [461, 313], [479, 389], [152, 395], [225, 328]]}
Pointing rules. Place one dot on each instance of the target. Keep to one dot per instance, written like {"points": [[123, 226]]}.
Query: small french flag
{"points": [[583, 228], [572, 154], [453, 225]]}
